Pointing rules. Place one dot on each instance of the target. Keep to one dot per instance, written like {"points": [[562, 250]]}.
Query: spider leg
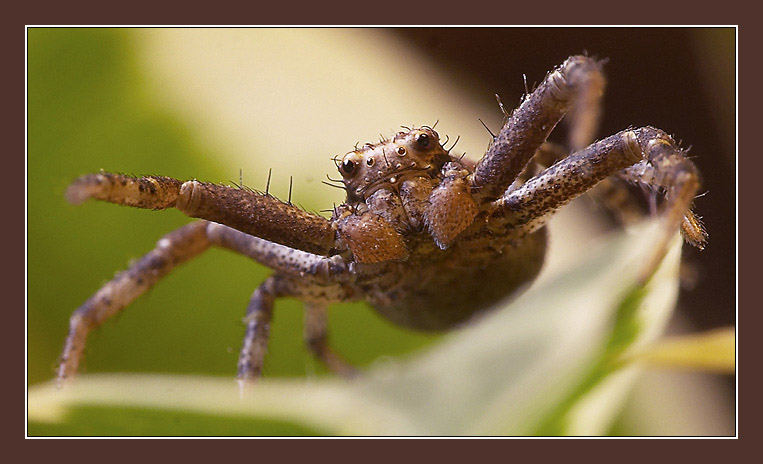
{"points": [[546, 155], [173, 250], [646, 155], [260, 311], [250, 212], [583, 118], [612, 192], [316, 339], [530, 124]]}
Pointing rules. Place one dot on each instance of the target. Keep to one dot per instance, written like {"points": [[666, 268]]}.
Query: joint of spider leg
{"points": [[632, 147], [317, 342], [558, 87], [330, 269]]}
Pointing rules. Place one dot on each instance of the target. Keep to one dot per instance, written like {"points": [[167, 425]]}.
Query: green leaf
{"points": [[711, 351], [551, 362]]}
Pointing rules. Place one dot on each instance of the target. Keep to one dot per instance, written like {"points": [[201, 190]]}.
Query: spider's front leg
{"points": [[250, 212], [646, 155], [576, 84]]}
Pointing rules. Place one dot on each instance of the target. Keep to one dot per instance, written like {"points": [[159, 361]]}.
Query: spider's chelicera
{"points": [[428, 239]]}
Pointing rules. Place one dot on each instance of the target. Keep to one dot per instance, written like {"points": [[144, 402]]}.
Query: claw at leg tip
{"points": [[244, 386], [76, 194], [62, 381]]}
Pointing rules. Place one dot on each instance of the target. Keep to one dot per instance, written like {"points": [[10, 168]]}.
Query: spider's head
{"points": [[413, 153]]}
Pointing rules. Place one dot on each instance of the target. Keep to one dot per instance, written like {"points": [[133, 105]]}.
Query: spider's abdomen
{"points": [[437, 290]]}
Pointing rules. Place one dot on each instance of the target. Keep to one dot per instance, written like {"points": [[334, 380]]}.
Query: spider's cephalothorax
{"points": [[429, 240], [407, 202], [403, 184], [386, 165]]}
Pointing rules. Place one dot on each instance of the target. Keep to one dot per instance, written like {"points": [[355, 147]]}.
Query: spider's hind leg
{"points": [[314, 279]]}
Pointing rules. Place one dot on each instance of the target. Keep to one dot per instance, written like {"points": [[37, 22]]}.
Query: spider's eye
{"points": [[401, 151], [422, 140], [348, 166], [370, 161]]}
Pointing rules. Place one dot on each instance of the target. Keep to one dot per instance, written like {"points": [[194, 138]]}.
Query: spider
{"points": [[429, 240]]}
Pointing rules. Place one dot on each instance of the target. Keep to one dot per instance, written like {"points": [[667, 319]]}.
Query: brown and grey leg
{"points": [[583, 118], [316, 339], [573, 89], [259, 313], [254, 213], [647, 155], [257, 320], [576, 83], [171, 250], [174, 249], [612, 193]]}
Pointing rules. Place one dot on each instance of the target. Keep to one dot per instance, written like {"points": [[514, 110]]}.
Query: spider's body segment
{"points": [[428, 239], [415, 198]]}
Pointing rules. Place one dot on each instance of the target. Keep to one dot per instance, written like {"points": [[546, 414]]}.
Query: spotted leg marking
{"points": [[258, 316]]}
